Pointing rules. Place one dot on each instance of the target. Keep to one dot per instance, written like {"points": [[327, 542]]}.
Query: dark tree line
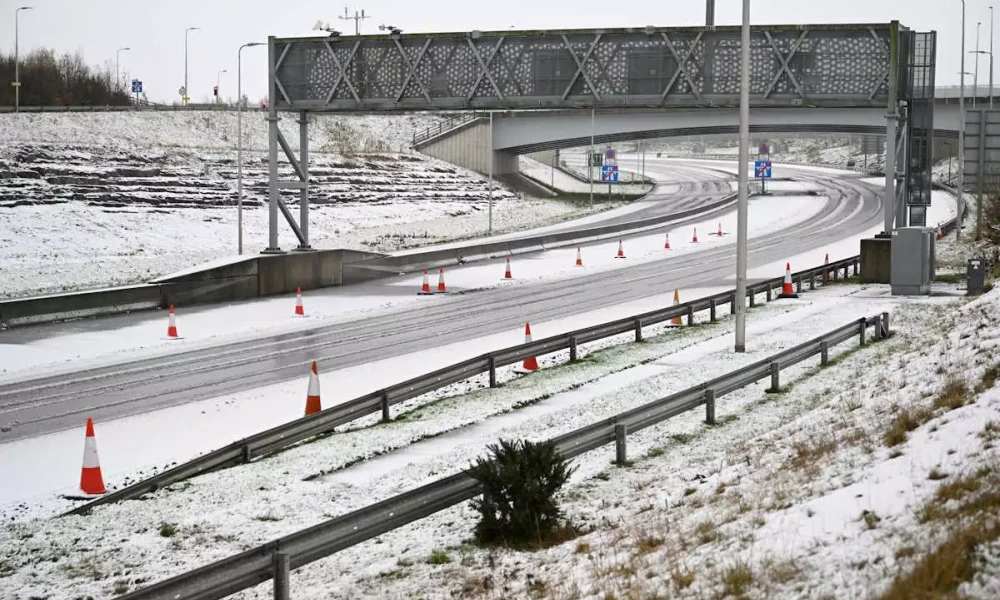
{"points": [[65, 80]]}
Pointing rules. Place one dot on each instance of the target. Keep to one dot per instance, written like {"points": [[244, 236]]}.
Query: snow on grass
{"points": [[226, 512]]}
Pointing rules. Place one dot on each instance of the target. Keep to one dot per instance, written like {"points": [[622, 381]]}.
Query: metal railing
{"points": [[293, 432], [275, 558], [448, 124], [127, 108]]}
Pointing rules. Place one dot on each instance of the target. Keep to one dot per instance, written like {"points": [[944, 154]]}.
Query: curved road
{"points": [[56, 403]]}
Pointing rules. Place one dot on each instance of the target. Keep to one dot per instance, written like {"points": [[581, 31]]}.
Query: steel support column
{"points": [[304, 175], [272, 155], [892, 114]]}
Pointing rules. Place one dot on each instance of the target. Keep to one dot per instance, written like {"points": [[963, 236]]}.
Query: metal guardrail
{"points": [[455, 122], [128, 108], [293, 432], [230, 575], [870, 169]]}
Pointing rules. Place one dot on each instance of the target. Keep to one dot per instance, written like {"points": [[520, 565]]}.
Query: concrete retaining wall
{"points": [[469, 147]]}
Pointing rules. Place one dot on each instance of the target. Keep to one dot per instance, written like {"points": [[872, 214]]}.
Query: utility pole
{"points": [[742, 206], [357, 18], [17, 59], [961, 138]]}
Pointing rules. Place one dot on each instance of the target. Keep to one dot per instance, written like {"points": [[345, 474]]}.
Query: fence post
{"points": [[493, 372], [824, 352], [621, 450], [864, 329], [638, 331], [690, 315], [572, 348], [710, 407], [775, 378], [386, 417], [885, 325], [711, 310], [282, 576]]}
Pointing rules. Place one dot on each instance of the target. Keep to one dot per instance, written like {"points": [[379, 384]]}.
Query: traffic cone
{"points": [[172, 325], [91, 481], [666, 245], [621, 250], [938, 235], [677, 300], [441, 289], [425, 289], [579, 258], [530, 363], [720, 230], [299, 310], [694, 239], [787, 291], [507, 274], [312, 394]]}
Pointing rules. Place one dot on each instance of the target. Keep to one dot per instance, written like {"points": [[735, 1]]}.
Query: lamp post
{"points": [[991, 57], [742, 205], [218, 82], [17, 59], [961, 137], [118, 77], [975, 71], [187, 90], [239, 144]]}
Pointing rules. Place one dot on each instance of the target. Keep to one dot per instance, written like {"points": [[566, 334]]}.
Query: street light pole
{"points": [[991, 57], [742, 206], [118, 77], [17, 60], [187, 90], [218, 82], [590, 159], [239, 143], [961, 138], [975, 71]]}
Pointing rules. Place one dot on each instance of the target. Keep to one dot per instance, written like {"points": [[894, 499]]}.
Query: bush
{"points": [[520, 480]]}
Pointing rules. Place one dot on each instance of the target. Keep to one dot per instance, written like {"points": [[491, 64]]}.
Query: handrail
{"points": [[448, 124], [287, 434], [230, 575]]}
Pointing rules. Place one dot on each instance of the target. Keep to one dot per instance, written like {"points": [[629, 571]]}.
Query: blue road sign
{"points": [[609, 173], [762, 169], [136, 86]]}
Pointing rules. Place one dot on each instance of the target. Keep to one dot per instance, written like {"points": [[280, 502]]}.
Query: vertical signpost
{"points": [[136, 89], [609, 161], [762, 166]]}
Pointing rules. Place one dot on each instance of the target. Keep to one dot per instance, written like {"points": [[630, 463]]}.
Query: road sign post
{"points": [[762, 171]]}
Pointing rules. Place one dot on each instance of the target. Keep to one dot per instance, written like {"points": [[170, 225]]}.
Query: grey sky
{"points": [[155, 30]]}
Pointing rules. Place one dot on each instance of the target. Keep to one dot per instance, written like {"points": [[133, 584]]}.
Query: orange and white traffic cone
{"points": [[579, 258], [787, 291], [299, 309], [507, 274], [91, 481], [666, 244], [621, 250], [720, 230], [530, 363], [172, 325], [677, 301], [938, 236], [441, 289], [312, 394], [694, 238], [425, 289]]}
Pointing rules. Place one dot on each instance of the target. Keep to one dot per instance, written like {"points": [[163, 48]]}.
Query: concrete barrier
{"points": [[76, 305]]}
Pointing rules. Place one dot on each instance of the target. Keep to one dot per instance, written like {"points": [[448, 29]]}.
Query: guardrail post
{"points": [[282, 576], [386, 417], [775, 378], [885, 325], [572, 349], [711, 310], [493, 371], [710, 407], [638, 330], [621, 450], [812, 280], [798, 285], [824, 352], [732, 302], [245, 454], [769, 292], [864, 329], [753, 297], [690, 315]]}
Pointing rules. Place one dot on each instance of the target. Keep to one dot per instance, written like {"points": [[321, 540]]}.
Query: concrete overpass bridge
{"points": [[644, 82]]}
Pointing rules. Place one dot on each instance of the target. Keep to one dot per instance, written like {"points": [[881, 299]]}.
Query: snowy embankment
{"points": [[90, 200], [788, 493]]}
